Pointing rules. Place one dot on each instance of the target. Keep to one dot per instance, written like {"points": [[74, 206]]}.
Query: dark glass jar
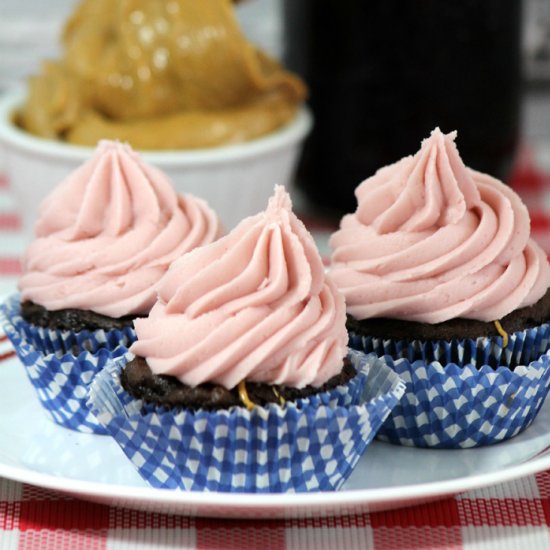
{"points": [[384, 73]]}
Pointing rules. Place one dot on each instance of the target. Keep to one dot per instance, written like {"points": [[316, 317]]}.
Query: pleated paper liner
{"points": [[311, 444], [60, 379], [48, 341], [461, 407], [475, 393]]}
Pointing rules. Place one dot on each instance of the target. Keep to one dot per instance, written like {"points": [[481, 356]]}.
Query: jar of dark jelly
{"points": [[384, 73]]}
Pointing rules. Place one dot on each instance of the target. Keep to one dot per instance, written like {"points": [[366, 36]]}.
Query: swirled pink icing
{"points": [[433, 240], [107, 234], [255, 305]]}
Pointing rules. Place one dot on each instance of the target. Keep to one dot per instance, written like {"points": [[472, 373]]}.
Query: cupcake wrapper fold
{"points": [[459, 404], [463, 406], [47, 340], [60, 379], [308, 445]]}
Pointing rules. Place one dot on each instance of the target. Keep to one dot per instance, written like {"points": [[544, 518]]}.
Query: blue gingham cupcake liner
{"points": [[311, 444], [60, 379], [61, 383], [464, 393], [464, 406], [47, 340]]}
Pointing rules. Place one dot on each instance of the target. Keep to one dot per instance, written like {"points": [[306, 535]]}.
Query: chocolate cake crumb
{"points": [[167, 391], [71, 319]]}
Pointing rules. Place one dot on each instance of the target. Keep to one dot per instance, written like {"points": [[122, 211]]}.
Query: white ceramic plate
{"points": [[35, 450]]}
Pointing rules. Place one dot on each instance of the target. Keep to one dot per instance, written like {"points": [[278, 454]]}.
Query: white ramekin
{"points": [[236, 180]]}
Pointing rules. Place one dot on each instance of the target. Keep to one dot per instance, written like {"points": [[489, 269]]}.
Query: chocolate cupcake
{"points": [[104, 238], [441, 276], [241, 371]]}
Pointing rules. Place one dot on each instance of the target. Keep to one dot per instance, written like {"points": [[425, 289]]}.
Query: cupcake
{"points": [[241, 379], [104, 238], [441, 277]]}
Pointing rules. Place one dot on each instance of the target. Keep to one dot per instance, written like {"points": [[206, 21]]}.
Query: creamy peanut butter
{"points": [[160, 74]]}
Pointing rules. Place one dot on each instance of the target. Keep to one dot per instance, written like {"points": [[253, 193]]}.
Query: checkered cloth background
{"points": [[511, 516]]}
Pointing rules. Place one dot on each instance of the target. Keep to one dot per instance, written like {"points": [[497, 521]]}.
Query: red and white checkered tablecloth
{"points": [[513, 516]]}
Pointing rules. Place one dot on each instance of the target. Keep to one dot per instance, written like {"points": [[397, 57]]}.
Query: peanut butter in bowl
{"points": [[161, 75], [180, 83]]}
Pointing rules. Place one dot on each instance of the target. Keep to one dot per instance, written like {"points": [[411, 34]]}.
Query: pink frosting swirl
{"points": [[433, 240], [254, 305], [107, 234]]}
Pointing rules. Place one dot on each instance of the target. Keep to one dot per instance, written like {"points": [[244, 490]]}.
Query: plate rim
{"points": [[399, 495]]}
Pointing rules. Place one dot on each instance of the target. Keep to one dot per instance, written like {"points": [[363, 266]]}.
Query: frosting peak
{"points": [[108, 233], [433, 188], [113, 191], [433, 240], [254, 305], [279, 203]]}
